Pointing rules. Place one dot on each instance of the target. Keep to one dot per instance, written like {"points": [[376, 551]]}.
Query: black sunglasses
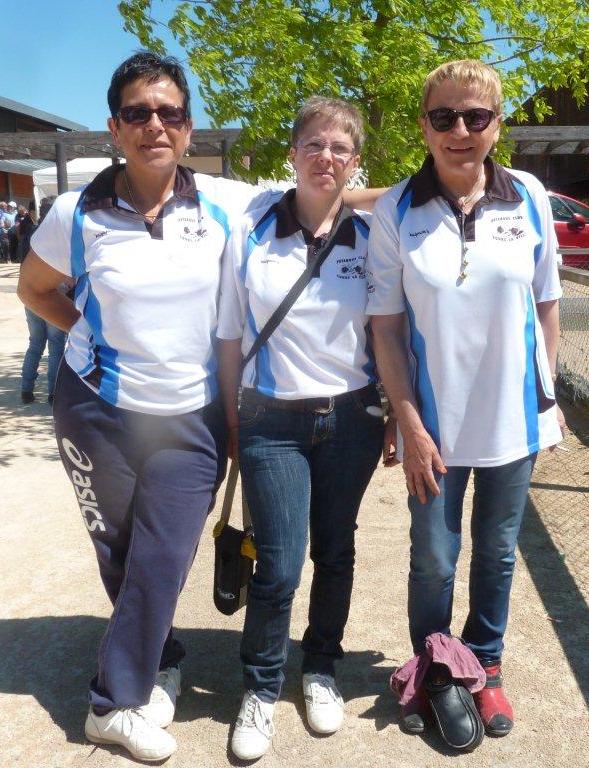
{"points": [[444, 118], [167, 114]]}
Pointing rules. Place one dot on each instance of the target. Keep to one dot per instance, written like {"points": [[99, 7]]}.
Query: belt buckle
{"points": [[324, 410]]}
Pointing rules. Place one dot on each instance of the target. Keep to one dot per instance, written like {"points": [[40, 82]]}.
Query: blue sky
{"points": [[59, 57]]}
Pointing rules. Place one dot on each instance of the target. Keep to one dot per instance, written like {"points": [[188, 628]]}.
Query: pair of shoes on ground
{"points": [[461, 717], [254, 727], [141, 730]]}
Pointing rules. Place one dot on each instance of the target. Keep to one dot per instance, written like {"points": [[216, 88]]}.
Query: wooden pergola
{"points": [[549, 139], [59, 147]]}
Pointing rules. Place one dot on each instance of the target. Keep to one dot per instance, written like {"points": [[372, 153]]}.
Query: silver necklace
{"points": [[134, 204], [463, 202]]}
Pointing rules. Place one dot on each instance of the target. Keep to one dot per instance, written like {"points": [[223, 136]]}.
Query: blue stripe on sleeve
{"points": [[530, 393], [255, 238], [361, 227], [425, 392], [107, 356], [215, 212], [266, 382], [78, 262], [533, 216], [404, 203]]}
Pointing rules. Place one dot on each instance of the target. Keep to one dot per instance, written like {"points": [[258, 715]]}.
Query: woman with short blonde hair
{"points": [[463, 259]]}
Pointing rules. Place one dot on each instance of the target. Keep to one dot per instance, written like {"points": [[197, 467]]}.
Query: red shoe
{"points": [[495, 710]]}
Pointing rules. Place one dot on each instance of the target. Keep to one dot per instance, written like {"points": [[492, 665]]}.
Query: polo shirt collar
{"points": [[287, 223], [100, 193], [425, 184]]}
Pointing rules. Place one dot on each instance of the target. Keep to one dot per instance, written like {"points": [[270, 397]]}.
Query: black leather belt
{"points": [[304, 405]]}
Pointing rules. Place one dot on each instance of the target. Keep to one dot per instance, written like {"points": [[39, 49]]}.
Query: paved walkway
{"points": [[53, 612]]}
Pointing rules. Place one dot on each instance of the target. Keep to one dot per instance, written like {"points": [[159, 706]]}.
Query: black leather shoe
{"points": [[27, 397], [454, 710]]}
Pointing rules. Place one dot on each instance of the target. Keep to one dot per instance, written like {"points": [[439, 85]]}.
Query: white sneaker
{"points": [[162, 702], [325, 706], [253, 728], [130, 729]]}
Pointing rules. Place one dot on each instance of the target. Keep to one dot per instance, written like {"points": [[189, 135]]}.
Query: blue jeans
{"points": [[498, 506], [41, 334], [302, 471]]}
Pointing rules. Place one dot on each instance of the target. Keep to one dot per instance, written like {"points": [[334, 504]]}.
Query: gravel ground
{"points": [[53, 612]]}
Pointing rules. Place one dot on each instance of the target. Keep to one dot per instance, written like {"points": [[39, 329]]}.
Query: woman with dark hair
{"points": [[137, 420], [464, 303], [139, 427]]}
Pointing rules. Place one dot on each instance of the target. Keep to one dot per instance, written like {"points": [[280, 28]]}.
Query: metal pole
{"points": [[61, 165]]}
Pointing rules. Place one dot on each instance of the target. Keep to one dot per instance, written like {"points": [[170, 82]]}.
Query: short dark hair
{"points": [[151, 67]]}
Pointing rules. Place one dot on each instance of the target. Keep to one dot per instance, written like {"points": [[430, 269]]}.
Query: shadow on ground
{"points": [[560, 595], [19, 421], [51, 658]]}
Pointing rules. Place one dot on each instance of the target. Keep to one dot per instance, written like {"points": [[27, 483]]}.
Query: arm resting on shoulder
{"points": [[38, 290], [420, 454], [363, 199]]}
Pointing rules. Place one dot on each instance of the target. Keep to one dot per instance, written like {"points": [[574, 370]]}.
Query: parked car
{"points": [[571, 221]]}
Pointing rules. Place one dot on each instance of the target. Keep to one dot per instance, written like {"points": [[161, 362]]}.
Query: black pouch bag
{"points": [[234, 554]]}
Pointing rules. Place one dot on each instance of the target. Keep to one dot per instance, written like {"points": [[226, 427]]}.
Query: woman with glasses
{"points": [[464, 303], [310, 425]]}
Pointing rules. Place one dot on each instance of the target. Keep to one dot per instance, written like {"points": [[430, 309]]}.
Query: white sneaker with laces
{"points": [[253, 728], [130, 729], [323, 702], [162, 702]]}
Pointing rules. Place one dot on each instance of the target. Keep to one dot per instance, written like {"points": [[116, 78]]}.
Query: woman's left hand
{"points": [[389, 447]]}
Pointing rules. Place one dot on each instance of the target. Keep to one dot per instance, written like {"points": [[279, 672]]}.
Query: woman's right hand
{"points": [[420, 460]]}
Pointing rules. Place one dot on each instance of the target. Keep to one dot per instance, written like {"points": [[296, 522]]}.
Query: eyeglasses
{"points": [[341, 152], [167, 114], [444, 119]]}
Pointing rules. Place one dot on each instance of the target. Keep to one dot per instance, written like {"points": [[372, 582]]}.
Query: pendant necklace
{"points": [[148, 216]]}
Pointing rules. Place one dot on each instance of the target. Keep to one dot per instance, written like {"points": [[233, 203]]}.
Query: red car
{"points": [[571, 221]]}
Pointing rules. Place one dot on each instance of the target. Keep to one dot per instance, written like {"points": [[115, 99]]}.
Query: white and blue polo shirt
{"points": [[147, 294], [320, 348], [481, 375]]}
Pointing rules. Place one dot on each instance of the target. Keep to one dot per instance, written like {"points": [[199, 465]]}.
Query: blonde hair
{"points": [[345, 115], [466, 72]]}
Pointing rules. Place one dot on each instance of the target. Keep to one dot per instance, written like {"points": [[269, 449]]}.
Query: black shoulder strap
{"points": [[281, 311]]}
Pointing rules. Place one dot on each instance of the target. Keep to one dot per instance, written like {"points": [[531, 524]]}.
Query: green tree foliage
{"points": [[257, 60]]}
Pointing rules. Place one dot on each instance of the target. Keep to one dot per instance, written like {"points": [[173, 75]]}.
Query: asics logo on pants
{"points": [[83, 486]]}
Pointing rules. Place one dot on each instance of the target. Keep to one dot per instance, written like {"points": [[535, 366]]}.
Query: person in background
{"points": [[310, 426], [10, 216], [464, 296], [41, 333], [4, 226], [25, 228]]}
